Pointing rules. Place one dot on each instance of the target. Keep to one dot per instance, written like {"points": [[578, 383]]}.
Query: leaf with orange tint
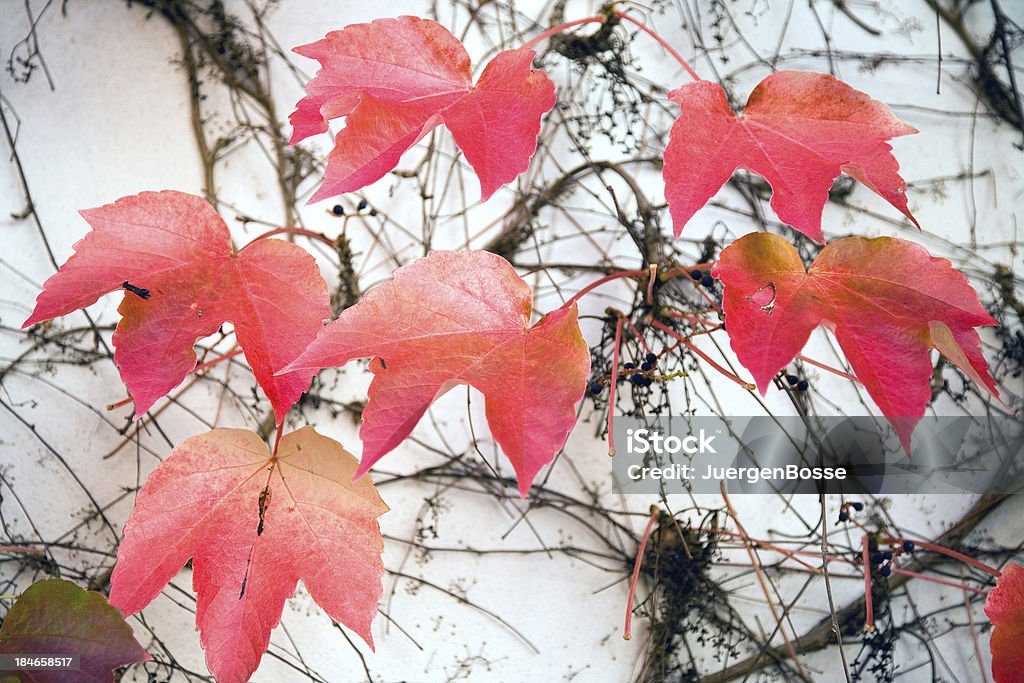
{"points": [[461, 318], [886, 300], [254, 524], [395, 80], [1005, 609], [173, 255], [798, 131]]}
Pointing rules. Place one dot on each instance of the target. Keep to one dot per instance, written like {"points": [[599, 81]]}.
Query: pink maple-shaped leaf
{"points": [[254, 524], [887, 301], [55, 617], [798, 131], [1005, 609], [461, 317], [174, 249], [396, 79]]}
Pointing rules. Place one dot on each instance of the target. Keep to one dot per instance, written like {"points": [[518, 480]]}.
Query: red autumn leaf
{"points": [[886, 300], [396, 79], [55, 617], [799, 130], [1005, 609], [254, 525], [461, 318], [175, 248]]}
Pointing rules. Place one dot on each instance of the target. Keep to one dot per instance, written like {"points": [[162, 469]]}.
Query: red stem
{"points": [[599, 19], [829, 368], [611, 389], [122, 402], [298, 231], [203, 366], [707, 322], [597, 283], [643, 27], [869, 619], [636, 333], [955, 555], [933, 579], [974, 631], [277, 439], [767, 545], [655, 513], [226, 356], [682, 340]]}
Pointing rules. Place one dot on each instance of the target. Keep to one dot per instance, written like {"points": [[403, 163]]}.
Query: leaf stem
{"points": [[122, 402], [198, 368], [954, 554], [219, 359], [597, 283], [277, 439], [974, 630], [655, 514], [297, 231], [756, 564], [828, 368], [611, 389], [869, 618], [935, 579], [643, 27], [597, 19], [767, 545], [639, 337], [682, 340], [714, 325]]}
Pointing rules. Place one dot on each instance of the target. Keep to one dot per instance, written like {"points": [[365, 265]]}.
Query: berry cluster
{"points": [[883, 558], [703, 278], [639, 375], [339, 210], [797, 383]]}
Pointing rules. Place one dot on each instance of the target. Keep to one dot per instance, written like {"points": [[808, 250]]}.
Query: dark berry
{"points": [[338, 210], [373, 212], [792, 379], [802, 385], [885, 571], [908, 546], [707, 281], [596, 388], [637, 380], [648, 381], [887, 554], [630, 366], [645, 366], [858, 506], [651, 358], [843, 517], [362, 205], [877, 558], [697, 274]]}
